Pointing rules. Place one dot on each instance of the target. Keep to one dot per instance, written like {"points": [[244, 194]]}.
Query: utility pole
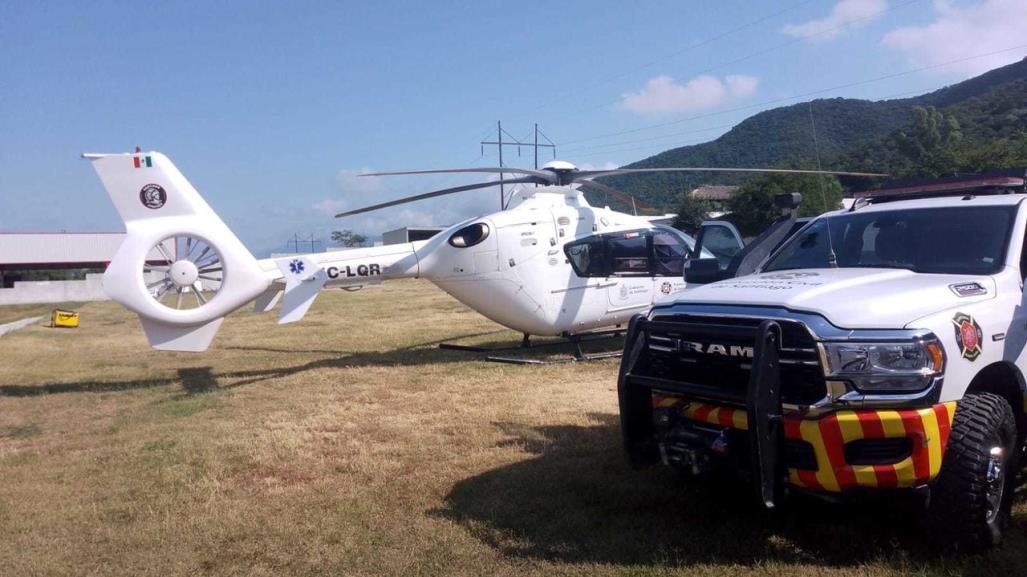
{"points": [[502, 192], [536, 147], [511, 141]]}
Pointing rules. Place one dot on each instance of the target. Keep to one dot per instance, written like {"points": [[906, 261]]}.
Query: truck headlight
{"points": [[885, 367]]}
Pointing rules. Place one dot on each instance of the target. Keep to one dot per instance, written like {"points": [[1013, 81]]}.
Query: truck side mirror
{"points": [[703, 271], [788, 201]]}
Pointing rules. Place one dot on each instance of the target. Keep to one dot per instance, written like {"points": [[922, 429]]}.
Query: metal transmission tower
{"points": [[296, 240], [499, 143]]}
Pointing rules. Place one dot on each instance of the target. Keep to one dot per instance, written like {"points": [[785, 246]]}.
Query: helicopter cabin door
{"points": [[670, 251], [631, 282]]}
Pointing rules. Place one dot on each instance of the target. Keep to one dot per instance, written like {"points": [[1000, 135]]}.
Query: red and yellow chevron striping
{"points": [[927, 428]]}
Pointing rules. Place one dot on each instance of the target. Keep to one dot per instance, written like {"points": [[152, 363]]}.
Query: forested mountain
{"points": [[852, 134]]}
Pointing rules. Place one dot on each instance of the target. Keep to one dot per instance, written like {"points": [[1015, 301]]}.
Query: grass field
{"points": [[349, 444]]}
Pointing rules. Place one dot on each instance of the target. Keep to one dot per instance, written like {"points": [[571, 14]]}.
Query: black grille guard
{"points": [[762, 399]]}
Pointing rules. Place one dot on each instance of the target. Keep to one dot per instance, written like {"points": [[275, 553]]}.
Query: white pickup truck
{"points": [[880, 347]]}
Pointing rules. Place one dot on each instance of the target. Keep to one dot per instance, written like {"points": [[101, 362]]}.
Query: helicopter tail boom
{"points": [[305, 275]]}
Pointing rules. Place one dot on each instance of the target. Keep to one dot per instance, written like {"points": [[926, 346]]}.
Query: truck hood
{"points": [[852, 298]]}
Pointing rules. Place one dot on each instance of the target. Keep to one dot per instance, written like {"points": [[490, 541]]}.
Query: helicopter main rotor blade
{"points": [[587, 174], [547, 176], [443, 192], [622, 196]]}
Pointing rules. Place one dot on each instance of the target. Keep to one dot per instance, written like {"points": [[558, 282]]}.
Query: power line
{"points": [[671, 135], [796, 96], [691, 141], [676, 53], [747, 56], [788, 43]]}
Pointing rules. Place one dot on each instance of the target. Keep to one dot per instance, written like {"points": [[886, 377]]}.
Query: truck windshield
{"points": [[944, 240]]}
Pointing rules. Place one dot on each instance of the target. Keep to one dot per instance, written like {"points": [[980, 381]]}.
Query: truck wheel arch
{"points": [[1007, 381]]}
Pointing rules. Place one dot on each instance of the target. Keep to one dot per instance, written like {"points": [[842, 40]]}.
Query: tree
{"points": [[995, 154], [752, 207], [691, 212], [348, 238], [932, 145]]}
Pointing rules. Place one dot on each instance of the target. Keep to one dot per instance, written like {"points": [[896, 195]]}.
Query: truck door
{"points": [[720, 238]]}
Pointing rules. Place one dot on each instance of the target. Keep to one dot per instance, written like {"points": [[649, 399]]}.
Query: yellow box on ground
{"points": [[65, 319]]}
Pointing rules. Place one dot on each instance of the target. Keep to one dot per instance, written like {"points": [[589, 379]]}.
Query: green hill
{"points": [[849, 131]]}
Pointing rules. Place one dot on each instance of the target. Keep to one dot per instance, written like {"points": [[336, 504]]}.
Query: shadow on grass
{"points": [[206, 379], [577, 501]]}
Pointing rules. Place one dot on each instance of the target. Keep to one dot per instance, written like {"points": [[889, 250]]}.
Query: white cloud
{"points": [[608, 165], [846, 15], [961, 31], [662, 95]]}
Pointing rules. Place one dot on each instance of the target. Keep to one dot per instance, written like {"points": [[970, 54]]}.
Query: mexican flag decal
{"points": [[142, 161]]}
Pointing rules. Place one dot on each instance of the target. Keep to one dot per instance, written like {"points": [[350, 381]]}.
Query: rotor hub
{"points": [[183, 273], [559, 166]]}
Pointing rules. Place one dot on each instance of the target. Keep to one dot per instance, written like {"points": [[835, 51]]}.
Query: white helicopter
{"points": [[549, 264]]}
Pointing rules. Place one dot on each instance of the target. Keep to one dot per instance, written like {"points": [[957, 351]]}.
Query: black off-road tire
{"points": [[965, 513]]}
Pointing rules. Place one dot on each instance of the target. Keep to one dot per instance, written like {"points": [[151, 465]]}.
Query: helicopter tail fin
{"points": [[180, 268]]}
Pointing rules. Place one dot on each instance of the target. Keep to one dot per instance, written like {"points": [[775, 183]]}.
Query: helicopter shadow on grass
{"points": [[196, 380], [577, 501]]}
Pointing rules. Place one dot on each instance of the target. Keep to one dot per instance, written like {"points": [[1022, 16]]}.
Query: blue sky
{"points": [[270, 108]]}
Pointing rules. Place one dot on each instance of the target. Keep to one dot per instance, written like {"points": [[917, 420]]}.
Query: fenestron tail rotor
{"points": [[560, 173], [188, 273]]}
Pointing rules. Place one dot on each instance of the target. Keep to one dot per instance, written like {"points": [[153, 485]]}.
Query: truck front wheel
{"points": [[972, 498]]}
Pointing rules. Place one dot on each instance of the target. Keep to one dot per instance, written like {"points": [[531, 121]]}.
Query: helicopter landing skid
{"points": [[574, 339]]}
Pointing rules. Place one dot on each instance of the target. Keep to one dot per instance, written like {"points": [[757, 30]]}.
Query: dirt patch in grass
{"points": [[352, 445], [21, 431]]}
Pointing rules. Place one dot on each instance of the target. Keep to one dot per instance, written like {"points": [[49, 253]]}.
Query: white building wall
{"points": [[61, 291], [58, 248], [32, 292]]}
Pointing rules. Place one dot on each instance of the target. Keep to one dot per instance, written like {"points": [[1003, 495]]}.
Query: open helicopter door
{"points": [[629, 254]]}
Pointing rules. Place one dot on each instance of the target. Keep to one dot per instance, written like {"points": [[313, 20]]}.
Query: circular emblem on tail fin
{"points": [[153, 196]]}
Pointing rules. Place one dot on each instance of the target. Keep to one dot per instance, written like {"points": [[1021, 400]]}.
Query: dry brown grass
{"points": [[11, 313], [349, 444]]}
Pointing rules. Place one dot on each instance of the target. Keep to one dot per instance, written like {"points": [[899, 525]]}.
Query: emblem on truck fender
{"points": [[968, 336], [968, 289]]}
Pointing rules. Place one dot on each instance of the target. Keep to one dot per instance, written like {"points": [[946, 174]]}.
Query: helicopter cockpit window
{"points": [[588, 257], [469, 235], [629, 254], [669, 254]]}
